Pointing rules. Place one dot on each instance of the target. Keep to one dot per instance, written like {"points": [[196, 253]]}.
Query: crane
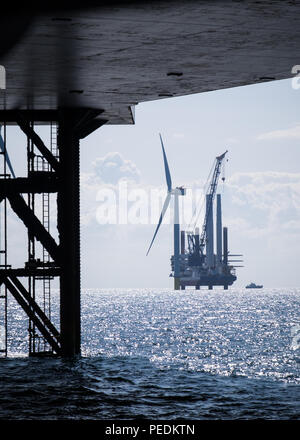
{"points": [[196, 245]]}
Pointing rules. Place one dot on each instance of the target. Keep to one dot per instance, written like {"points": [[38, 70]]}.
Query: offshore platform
{"points": [[197, 264], [74, 69]]}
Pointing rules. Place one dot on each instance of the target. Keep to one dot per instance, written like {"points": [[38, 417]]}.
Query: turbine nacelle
{"points": [[179, 190]]}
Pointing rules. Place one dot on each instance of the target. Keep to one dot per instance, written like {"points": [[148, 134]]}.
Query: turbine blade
{"points": [[6, 155], [165, 207], [167, 171]]}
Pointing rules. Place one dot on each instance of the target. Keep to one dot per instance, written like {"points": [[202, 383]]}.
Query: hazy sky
{"points": [[259, 125]]}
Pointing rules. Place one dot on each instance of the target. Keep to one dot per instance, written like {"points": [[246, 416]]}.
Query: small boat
{"points": [[254, 286]]}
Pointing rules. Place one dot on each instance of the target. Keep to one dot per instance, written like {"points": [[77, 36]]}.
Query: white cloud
{"points": [[239, 225], [268, 202], [178, 135], [113, 167], [255, 205], [232, 140], [286, 133]]}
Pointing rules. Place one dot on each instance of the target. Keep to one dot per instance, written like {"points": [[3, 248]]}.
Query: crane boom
{"points": [[211, 192]]}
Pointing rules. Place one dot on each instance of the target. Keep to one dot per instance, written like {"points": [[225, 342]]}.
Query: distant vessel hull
{"points": [[208, 280]]}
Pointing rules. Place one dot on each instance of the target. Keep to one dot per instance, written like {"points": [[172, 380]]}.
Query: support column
{"points": [[219, 232], [225, 246], [176, 242], [197, 241], [182, 242], [209, 232], [68, 222]]}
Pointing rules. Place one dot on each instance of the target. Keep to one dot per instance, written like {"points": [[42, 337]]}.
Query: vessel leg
{"points": [[176, 283]]}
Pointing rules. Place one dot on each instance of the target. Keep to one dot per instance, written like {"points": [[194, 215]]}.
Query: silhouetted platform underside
{"points": [[112, 57]]}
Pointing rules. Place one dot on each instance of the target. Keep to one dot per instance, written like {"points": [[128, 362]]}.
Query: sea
{"points": [[161, 354]]}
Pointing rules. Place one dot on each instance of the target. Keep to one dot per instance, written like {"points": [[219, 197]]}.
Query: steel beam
{"points": [[31, 134], [34, 225], [34, 312], [69, 234], [72, 126], [42, 117], [32, 272], [35, 307], [41, 182]]}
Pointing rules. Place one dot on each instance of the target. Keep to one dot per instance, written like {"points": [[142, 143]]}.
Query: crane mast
{"points": [[211, 193], [193, 243]]}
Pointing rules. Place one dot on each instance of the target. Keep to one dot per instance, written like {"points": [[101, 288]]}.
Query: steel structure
{"points": [[210, 196], [195, 267], [3, 249], [50, 169], [199, 265], [105, 58]]}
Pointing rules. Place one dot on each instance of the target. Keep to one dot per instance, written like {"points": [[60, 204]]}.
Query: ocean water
{"points": [[160, 354]]}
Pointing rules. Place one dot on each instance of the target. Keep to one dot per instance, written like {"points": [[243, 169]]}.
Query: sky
{"points": [[259, 125]]}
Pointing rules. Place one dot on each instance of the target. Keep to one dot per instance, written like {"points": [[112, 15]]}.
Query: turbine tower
{"points": [[175, 192]]}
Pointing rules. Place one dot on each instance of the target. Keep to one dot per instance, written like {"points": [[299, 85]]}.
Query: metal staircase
{"points": [[37, 166]]}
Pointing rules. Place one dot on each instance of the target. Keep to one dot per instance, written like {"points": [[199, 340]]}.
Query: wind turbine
{"points": [[171, 192]]}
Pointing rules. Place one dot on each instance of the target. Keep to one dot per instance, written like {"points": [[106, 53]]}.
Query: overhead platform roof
{"points": [[111, 57]]}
